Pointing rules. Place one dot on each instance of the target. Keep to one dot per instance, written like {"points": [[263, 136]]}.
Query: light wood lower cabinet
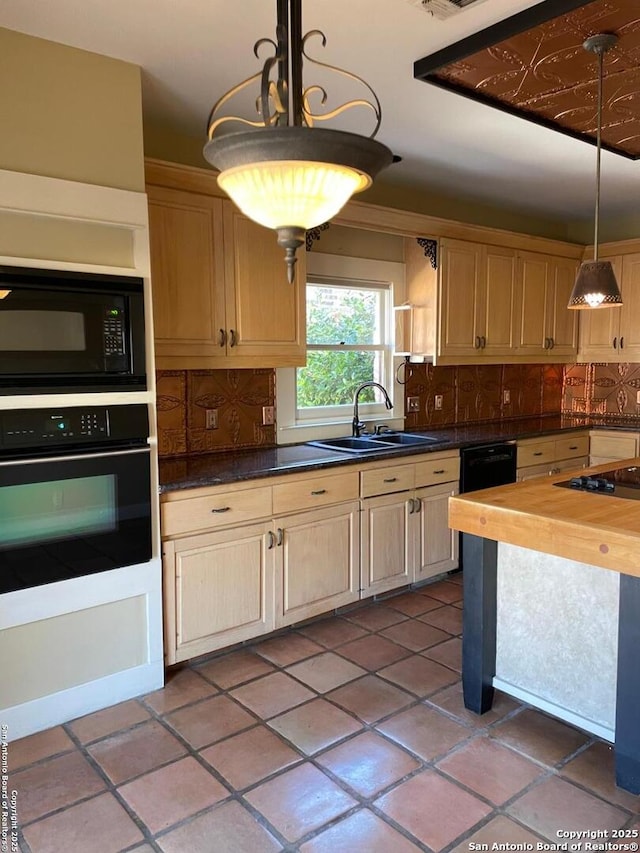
{"points": [[613, 445], [244, 559], [405, 535], [218, 590], [317, 562], [548, 456]]}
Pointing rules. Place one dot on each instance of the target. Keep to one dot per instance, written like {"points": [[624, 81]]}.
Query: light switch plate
{"points": [[268, 415], [211, 419], [438, 401]]}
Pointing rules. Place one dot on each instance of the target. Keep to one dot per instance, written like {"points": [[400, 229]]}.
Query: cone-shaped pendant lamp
{"points": [[596, 285], [283, 172]]}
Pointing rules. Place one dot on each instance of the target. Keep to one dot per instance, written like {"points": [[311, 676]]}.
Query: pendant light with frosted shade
{"points": [[283, 172], [596, 285]]}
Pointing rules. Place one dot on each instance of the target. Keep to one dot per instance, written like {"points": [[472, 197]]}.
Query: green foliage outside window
{"points": [[332, 376]]}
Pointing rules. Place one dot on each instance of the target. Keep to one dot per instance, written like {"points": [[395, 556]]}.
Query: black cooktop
{"points": [[620, 482]]}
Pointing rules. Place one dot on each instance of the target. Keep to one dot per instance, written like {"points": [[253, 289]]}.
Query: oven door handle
{"points": [[35, 460]]}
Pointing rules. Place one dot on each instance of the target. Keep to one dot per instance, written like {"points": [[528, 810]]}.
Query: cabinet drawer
{"points": [[213, 511], [614, 446], [315, 491], [536, 453], [568, 448], [383, 481], [430, 472]]}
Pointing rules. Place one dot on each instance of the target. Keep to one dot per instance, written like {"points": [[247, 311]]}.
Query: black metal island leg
{"points": [[480, 561], [627, 745]]}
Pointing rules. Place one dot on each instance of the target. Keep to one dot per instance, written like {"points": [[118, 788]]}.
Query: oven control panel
{"points": [[42, 428]]}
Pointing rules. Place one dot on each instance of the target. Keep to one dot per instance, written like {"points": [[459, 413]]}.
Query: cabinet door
{"points": [[387, 547], [187, 276], [629, 342], [534, 273], [498, 306], [599, 333], [462, 298], [219, 590], [265, 314], [562, 323], [318, 566], [437, 544]]}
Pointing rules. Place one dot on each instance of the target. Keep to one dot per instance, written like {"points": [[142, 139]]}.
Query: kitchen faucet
{"points": [[358, 425]]}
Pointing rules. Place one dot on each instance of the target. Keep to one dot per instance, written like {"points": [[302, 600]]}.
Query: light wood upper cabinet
{"points": [[220, 292], [186, 244], [502, 305], [265, 311], [477, 300], [613, 334], [546, 327]]}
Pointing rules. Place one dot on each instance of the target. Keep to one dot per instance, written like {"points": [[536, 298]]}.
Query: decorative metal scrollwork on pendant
{"points": [[313, 234], [430, 248]]}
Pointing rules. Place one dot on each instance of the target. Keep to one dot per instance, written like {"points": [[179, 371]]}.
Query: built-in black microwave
{"points": [[70, 331]]}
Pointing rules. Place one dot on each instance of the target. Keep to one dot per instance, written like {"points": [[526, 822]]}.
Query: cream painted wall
{"points": [[67, 113], [357, 243]]}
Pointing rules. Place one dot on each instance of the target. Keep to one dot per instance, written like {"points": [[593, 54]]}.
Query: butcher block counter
{"points": [[552, 605]]}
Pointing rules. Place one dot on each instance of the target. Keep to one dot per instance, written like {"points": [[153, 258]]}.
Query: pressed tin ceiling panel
{"points": [[534, 65]]}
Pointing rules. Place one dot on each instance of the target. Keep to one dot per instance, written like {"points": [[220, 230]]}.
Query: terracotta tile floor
{"points": [[344, 735]]}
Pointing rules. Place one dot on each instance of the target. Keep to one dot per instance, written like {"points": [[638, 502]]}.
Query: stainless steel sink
{"points": [[369, 443]]}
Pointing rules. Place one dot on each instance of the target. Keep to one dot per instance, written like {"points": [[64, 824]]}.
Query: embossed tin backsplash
{"points": [[602, 389], [238, 396], [474, 393]]}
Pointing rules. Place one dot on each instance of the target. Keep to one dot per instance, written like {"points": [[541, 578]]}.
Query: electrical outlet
{"points": [[438, 401], [506, 396], [211, 419], [638, 398], [268, 415], [413, 404]]}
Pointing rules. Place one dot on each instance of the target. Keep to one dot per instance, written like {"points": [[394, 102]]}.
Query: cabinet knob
{"points": [[233, 340], [222, 337]]}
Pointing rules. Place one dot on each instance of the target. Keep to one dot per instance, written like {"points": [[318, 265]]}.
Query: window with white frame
{"points": [[350, 329], [347, 344]]}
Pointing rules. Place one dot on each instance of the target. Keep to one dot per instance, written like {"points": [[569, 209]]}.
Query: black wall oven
{"points": [[75, 494], [70, 331]]}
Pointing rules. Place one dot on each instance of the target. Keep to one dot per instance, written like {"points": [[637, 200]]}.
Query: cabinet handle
{"points": [[439, 471], [538, 453], [552, 343], [412, 506], [232, 338], [222, 509], [319, 492], [390, 480], [272, 539], [418, 505], [615, 343], [280, 537], [484, 342], [546, 343], [222, 337], [622, 342], [478, 342], [573, 447]]}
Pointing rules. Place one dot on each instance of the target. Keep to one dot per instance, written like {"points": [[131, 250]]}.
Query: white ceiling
{"points": [[192, 51]]}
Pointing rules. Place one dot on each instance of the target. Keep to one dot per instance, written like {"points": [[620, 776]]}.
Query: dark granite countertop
{"points": [[212, 469]]}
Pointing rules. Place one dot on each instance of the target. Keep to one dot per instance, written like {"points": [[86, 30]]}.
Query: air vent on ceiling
{"points": [[443, 9]]}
